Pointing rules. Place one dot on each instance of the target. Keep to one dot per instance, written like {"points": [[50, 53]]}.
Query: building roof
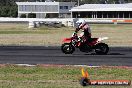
{"points": [[103, 7], [43, 3]]}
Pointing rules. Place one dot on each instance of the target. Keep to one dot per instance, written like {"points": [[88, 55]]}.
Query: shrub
{"points": [[23, 16], [31, 15]]}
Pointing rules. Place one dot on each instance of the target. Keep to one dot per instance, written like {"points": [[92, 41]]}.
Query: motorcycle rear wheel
{"points": [[67, 48], [101, 49]]}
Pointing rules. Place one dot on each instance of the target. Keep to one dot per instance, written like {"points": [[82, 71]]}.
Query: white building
{"points": [[46, 9], [102, 11]]}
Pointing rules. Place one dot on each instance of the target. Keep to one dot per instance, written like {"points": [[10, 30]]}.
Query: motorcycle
{"points": [[95, 44]]}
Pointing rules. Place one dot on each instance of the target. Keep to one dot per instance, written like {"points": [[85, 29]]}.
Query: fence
{"points": [[35, 22]]}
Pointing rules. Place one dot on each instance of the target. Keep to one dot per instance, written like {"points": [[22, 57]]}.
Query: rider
{"points": [[86, 32]]}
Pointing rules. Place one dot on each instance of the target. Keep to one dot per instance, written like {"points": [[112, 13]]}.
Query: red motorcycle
{"points": [[95, 44]]}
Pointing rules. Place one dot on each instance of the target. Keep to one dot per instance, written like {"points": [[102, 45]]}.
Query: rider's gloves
{"points": [[74, 34]]}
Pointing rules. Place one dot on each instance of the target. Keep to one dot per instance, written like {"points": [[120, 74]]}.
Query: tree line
{"points": [[8, 8]]}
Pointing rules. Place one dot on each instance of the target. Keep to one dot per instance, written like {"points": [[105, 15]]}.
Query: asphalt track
{"points": [[118, 56]]}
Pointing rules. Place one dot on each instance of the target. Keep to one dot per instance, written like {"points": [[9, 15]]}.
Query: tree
{"points": [[13, 11]]}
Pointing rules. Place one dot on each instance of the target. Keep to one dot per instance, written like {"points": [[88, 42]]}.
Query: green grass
{"points": [[12, 76]]}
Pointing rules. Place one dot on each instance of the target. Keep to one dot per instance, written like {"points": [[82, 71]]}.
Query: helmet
{"points": [[80, 21]]}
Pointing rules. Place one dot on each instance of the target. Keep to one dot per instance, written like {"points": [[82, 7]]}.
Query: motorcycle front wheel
{"points": [[67, 48], [101, 49]]}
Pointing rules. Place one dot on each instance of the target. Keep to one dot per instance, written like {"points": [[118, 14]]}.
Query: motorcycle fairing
{"points": [[93, 41], [67, 40]]}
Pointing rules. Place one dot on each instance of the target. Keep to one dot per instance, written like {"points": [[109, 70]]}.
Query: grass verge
{"points": [[12, 76]]}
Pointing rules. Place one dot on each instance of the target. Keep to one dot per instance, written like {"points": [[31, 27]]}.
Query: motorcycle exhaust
{"points": [[102, 38]]}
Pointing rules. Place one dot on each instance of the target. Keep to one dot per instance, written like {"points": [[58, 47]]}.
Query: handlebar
{"points": [[74, 34]]}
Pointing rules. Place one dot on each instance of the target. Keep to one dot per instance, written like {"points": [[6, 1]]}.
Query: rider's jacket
{"points": [[85, 28]]}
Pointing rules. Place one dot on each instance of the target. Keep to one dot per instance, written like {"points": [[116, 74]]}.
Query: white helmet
{"points": [[80, 21]]}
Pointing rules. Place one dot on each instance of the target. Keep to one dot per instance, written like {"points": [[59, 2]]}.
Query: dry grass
{"points": [[119, 35], [19, 34]]}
